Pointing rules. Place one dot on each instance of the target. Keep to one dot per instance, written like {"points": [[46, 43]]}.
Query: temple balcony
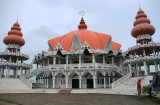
{"points": [[15, 64], [150, 58], [82, 66]]}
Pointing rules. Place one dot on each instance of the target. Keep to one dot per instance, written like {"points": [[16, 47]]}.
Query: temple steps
{"points": [[131, 83], [65, 91], [12, 84]]}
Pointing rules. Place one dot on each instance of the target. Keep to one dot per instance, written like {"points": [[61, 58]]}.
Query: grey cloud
{"points": [[43, 31]]}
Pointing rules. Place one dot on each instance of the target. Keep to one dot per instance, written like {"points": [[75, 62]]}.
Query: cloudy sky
{"points": [[42, 20]]}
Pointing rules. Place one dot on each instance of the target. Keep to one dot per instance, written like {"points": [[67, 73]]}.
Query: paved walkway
{"points": [[70, 99]]}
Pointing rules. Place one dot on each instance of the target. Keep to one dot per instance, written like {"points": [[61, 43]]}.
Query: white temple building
{"points": [[80, 59]]}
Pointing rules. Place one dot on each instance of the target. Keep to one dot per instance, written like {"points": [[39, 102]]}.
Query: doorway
{"points": [[89, 83], [75, 83]]}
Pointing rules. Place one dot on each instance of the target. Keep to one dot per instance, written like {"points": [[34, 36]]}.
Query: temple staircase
{"points": [[13, 84], [129, 86], [33, 73]]}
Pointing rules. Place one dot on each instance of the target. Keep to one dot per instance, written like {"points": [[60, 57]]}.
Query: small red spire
{"points": [[82, 24]]}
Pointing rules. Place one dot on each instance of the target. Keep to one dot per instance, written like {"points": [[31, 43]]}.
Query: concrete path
{"points": [[70, 99]]}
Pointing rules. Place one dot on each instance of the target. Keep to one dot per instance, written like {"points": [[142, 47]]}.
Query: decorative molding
{"points": [[143, 46], [13, 64], [14, 54], [143, 36], [76, 43], [108, 45], [140, 59]]}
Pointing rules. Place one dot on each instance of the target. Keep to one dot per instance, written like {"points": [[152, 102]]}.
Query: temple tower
{"points": [[146, 52], [12, 58]]}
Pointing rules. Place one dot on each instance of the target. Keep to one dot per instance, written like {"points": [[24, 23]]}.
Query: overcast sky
{"points": [[42, 20]]}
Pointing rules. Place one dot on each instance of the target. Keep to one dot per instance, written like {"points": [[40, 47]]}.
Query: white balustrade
{"points": [[15, 64], [119, 81], [14, 54], [144, 58], [27, 82]]}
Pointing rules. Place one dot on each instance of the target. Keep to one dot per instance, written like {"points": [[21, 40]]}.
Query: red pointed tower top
{"points": [[14, 36], [82, 24], [142, 25]]}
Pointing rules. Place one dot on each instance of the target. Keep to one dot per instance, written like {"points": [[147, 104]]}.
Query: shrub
{"points": [[145, 90]]}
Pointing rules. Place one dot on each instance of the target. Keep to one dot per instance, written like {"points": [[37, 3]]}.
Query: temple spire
{"points": [[82, 24], [139, 5]]}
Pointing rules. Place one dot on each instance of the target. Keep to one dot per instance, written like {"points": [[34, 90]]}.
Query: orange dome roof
{"points": [[142, 25], [94, 39], [14, 36]]}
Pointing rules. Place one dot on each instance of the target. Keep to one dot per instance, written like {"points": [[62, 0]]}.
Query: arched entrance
{"points": [[100, 80], [75, 80], [88, 80], [60, 81]]}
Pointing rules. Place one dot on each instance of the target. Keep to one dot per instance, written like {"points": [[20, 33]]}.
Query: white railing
{"points": [[33, 73], [4, 63], [14, 54], [26, 81], [119, 81], [80, 66], [144, 58], [75, 67]]}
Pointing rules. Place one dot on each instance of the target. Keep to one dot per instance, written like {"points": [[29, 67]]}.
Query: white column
{"points": [[94, 82], [156, 66], [44, 82], [53, 82], [66, 82], [54, 58], [154, 53], [109, 80], [93, 58], [80, 60], [17, 59], [21, 70], [48, 61], [104, 82], [8, 72], [145, 68], [130, 69], [80, 82], [112, 60], [137, 70], [144, 53], [134, 53], [0, 72], [10, 60], [37, 65], [40, 80], [16, 72], [103, 59], [47, 82], [148, 68], [66, 59]]}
